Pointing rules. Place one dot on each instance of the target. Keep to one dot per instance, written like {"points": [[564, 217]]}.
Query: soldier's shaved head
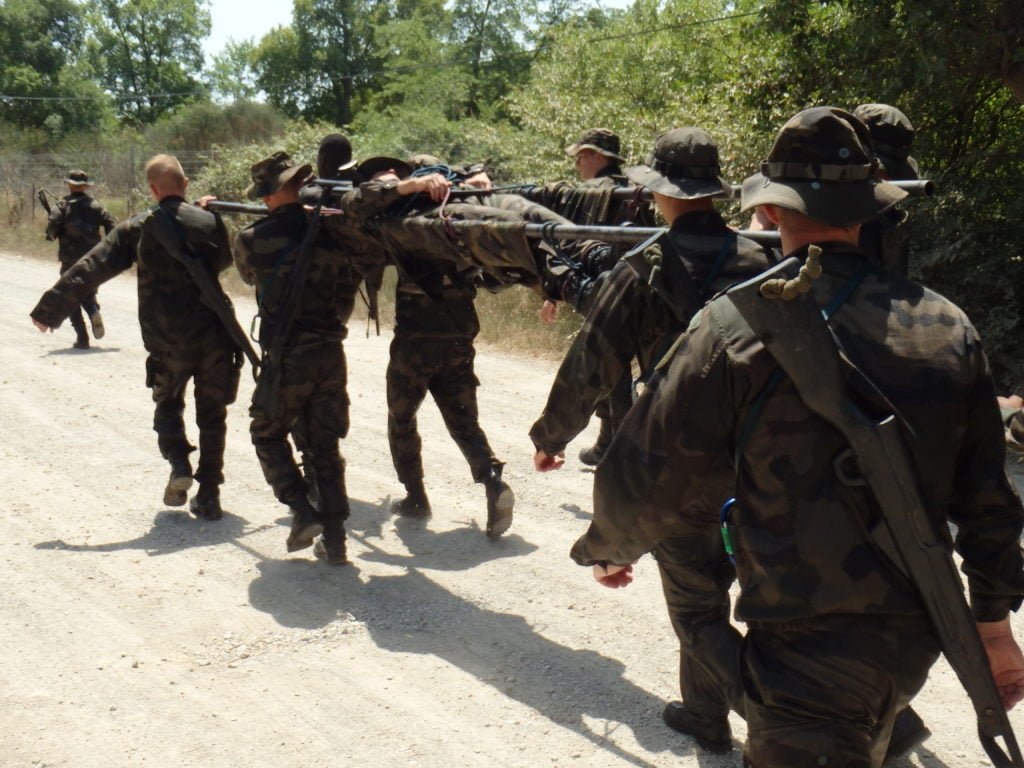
{"points": [[165, 176]]}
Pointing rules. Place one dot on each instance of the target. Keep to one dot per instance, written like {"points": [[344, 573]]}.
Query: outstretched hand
{"points": [[613, 576], [1005, 660], [548, 312], [545, 462], [435, 185], [42, 327]]}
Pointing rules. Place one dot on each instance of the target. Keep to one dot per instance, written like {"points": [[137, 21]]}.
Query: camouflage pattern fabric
{"points": [[886, 240], [590, 202], [75, 222], [89, 304], [184, 338], [629, 319], [801, 532]]}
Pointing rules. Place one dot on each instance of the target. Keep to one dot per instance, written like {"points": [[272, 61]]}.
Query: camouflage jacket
{"points": [[637, 315], [591, 201], [447, 312], [172, 315], [75, 223], [802, 535]]}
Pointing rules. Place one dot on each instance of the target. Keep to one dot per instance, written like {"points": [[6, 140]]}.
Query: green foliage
{"points": [[148, 53], [232, 75], [205, 124]]}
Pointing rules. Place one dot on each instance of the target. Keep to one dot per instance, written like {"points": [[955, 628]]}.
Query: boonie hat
{"points": [[600, 140], [892, 135], [272, 173], [822, 165], [367, 169], [684, 165], [78, 179], [334, 156], [424, 160]]}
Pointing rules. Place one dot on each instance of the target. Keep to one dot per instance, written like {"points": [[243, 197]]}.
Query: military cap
{"points": [[823, 166], [368, 168], [272, 173], [598, 139], [892, 134], [424, 160], [334, 156], [684, 165], [78, 179]]}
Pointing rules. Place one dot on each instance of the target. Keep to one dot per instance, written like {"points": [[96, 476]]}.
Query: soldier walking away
{"points": [[647, 301], [296, 265], [799, 379], [75, 222], [186, 339]]}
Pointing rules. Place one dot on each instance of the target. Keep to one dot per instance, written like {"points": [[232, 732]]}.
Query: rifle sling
{"points": [[796, 335]]}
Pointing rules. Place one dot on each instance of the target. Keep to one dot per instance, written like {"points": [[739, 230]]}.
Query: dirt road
{"points": [[134, 635]]}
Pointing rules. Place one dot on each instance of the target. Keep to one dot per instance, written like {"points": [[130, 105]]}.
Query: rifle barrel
{"points": [[223, 206]]}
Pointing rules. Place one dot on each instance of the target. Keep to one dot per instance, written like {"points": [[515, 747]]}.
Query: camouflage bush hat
{"points": [[424, 160], [892, 134], [272, 173], [684, 165], [822, 165], [78, 179], [600, 140], [334, 156], [370, 167]]}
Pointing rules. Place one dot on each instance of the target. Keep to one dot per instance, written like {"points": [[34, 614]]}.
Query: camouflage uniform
{"points": [[634, 316], [838, 642], [75, 223], [184, 338]]}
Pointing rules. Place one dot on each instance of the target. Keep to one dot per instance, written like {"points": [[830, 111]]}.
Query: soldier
{"points": [[838, 641], [432, 351], [638, 313], [887, 238], [75, 223], [184, 337]]}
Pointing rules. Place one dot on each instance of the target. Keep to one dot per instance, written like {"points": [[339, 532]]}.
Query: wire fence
{"points": [[116, 173]]}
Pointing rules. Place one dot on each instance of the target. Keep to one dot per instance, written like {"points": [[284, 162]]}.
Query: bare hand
{"points": [[435, 185], [42, 328], [1011, 402], [548, 312], [613, 576], [479, 181], [202, 201], [1005, 659], [545, 462]]}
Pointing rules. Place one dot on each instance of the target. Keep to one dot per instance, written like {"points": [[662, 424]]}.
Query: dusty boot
{"points": [[82, 342], [176, 492], [908, 731], [415, 503], [306, 524], [96, 321], [712, 734], [500, 501], [331, 549], [592, 456], [206, 504]]}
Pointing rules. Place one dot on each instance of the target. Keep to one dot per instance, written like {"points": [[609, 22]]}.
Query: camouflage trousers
{"points": [[89, 304], [444, 368], [214, 365], [695, 576], [312, 402], [827, 691]]}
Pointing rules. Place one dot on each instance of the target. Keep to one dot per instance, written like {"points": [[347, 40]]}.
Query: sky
{"points": [[243, 19]]}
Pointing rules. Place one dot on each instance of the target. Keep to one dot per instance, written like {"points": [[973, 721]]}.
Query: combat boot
{"points": [[415, 503], [908, 731], [306, 525], [206, 504], [592, 456], [332, 551], [82, 342], [96, 321], [176, 492], [711, 733], [500, 501]]}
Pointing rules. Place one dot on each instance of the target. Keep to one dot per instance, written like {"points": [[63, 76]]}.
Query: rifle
{"points": [[169, 234], [43, 199], [268, 385], [796, 335]]}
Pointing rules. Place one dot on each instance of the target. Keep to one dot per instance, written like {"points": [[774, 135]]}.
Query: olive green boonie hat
{"points": [[78, 179], [371, 166], [600, 140], [892, 135], [684, 165], [272, 173], [822, 165]]}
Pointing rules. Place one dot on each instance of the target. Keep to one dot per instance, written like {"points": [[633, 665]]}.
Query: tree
{"points": [[232, 75], [149, 54]]}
